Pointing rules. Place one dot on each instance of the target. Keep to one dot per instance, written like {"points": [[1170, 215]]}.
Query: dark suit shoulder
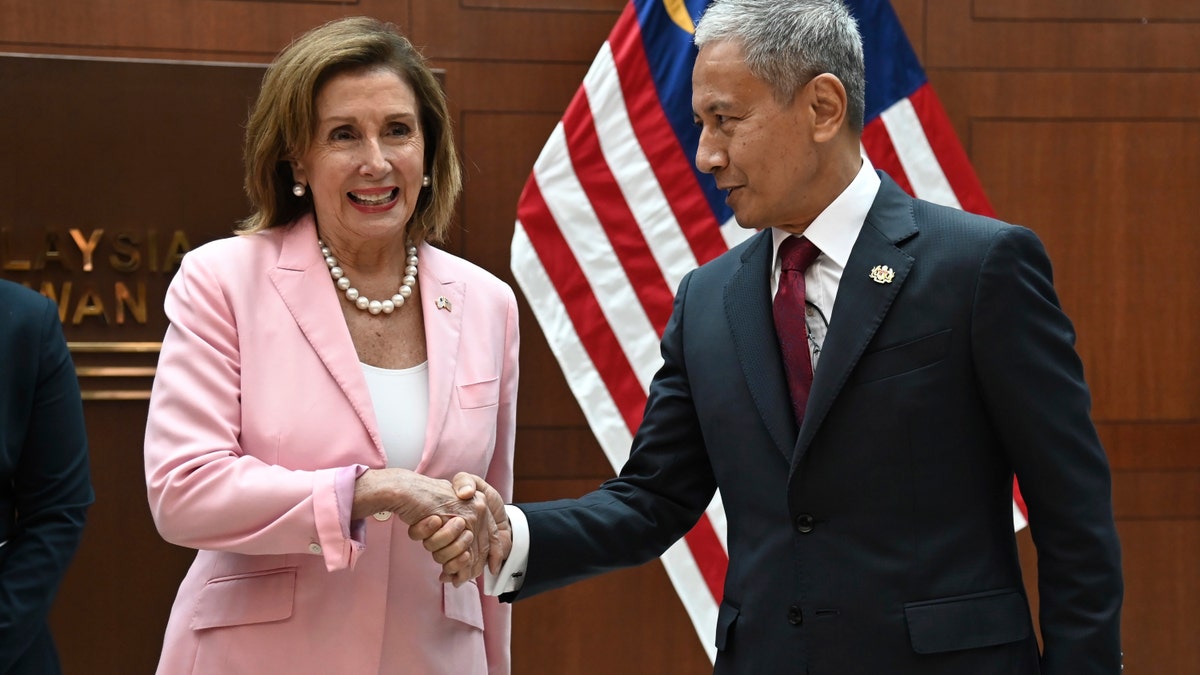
{"points": [[17, 301], [901, 218], [24, 318], [928, 213], [951, 233], [727, 263]]}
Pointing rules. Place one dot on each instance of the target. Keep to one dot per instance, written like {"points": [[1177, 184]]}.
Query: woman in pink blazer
{"points": [[300, 420]]}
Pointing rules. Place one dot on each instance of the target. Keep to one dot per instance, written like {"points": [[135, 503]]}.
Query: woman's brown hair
{"points": [[283, 121]]}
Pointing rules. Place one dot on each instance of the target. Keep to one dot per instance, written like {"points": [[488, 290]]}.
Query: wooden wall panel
{"points": [[1088, 10], [1159, 619], [187, 29], [1061, 95], [1092, 42], [551, 5], [568, 34], [1167, 446], [1123, 255]]}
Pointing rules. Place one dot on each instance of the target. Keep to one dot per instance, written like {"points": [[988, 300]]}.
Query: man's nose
{"points": [[710, 155]]}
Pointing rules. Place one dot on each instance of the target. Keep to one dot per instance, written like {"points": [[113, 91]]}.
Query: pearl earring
{"points": [[298, 189], [426, 181]]}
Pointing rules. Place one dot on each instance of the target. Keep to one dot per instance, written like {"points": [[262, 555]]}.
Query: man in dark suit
{"points": [[45, 489], [870, 527]]}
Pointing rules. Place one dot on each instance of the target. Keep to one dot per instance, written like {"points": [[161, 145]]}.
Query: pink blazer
{"points": [[259, 401]]}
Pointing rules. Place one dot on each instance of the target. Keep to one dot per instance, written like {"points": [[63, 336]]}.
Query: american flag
{"points": [[615, 214]]}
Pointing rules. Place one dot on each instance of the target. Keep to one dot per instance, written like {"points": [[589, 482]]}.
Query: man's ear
{"points": [[829, 104]]}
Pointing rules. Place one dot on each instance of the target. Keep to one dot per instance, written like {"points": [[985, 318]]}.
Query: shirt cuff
{"points": [[343, 489], [512, 574]]}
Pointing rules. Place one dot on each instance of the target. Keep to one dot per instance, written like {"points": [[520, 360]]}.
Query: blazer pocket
{"points": [[968, 621], [255, 597], [727, 616], [479, 394], [462, 604], [900, 359]]}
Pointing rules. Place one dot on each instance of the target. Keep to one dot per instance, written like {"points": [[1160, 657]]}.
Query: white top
{"points": [[401, 402]]}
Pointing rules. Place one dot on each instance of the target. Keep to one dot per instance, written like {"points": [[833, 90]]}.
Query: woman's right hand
{"points": [[462, 508]]}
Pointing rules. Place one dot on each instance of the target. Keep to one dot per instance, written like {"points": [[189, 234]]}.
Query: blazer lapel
{"points": [[302, 279], [861, 303], [442, 306], [748, 310]]}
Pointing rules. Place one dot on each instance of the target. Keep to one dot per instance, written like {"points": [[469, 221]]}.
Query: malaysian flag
{"points": [[615, 214]]}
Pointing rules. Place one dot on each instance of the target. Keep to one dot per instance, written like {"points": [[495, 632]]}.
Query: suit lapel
{"points": [[748, 309], [442, 306], [861, 303], [302, 279]]}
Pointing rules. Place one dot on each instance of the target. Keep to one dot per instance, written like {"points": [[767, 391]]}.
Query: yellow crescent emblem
{"points": [[678, 12]]}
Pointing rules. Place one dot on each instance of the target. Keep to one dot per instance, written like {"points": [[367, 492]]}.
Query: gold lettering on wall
{"points": [[51, 253], [179, 245], [128, 256], [87, 247], [136, 306], [75, 270], [90, 304]]}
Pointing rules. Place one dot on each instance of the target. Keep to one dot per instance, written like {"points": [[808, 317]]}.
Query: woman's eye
{"points": [[399, 130], [341, 134]]}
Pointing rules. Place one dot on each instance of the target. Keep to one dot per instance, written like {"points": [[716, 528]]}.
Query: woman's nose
{"points": [[374, 162]]}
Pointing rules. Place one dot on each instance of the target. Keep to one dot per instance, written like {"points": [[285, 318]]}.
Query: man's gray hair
{"points": [[789, 42]]}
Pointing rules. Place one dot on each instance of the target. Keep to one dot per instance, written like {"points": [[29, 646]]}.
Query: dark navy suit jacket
{"points": [[878, 537], [45, 489]]}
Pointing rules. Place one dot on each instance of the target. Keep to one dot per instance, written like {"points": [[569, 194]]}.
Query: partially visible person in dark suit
{"points": [[865, 466], [45, 485]]}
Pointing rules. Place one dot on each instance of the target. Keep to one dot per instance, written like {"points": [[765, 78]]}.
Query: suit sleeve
{"points": [[497, 617], [204, 491], [52, 488], [659, 495], [1033, 382]]}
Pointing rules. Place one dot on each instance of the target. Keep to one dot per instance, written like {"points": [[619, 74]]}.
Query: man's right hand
{"points": [[454, 546]]}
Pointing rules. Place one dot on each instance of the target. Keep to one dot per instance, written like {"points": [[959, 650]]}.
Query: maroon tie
{"points": [[795, 255]]}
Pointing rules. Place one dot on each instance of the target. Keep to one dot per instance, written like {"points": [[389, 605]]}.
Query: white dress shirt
{"points": [[834, 232]]}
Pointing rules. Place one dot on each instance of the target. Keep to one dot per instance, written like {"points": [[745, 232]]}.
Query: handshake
{"points": [[461, 522]]}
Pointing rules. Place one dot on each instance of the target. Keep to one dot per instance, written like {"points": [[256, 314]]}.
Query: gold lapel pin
{"points": [[882, 274], [444, 303]]}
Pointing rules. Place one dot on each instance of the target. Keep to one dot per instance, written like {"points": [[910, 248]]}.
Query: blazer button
{"points": [[382, 515], [804, 523], [794, 616], [314, 548]]}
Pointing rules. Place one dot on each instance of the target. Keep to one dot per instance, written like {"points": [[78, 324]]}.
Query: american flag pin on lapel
{"points": [[882, 274], [444, 303]]}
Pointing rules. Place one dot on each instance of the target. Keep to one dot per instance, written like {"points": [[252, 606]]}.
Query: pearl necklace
{"points": [[361, 302]]}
